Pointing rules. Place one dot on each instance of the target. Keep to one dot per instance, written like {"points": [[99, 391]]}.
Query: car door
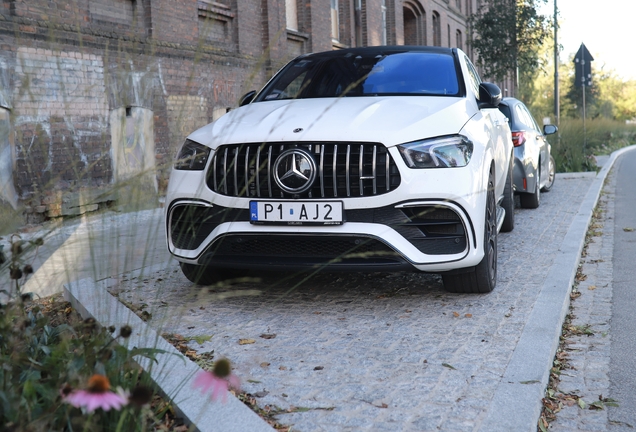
{"points": [[541, 143], [498, 130]]}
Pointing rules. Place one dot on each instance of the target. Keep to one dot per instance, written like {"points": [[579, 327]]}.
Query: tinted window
{"points": [[473, 75], [532, 122], [406, 73]]}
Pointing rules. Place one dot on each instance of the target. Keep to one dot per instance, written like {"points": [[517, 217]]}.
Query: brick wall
{"points": [[68, 66]]}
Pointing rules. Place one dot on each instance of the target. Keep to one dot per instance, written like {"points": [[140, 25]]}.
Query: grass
{"points": [[574, 148]]}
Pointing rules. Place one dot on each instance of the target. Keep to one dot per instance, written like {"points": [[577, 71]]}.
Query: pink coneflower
{"points": [[219, 379], [96, 395]]}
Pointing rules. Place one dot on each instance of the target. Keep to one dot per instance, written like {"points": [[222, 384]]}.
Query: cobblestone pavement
{"points": [[369, 351], [589, 353]]}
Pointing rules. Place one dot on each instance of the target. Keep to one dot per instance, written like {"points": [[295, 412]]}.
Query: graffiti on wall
{"points": [[133, 147]]}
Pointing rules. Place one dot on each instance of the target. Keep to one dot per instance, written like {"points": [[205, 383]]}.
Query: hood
{"points": [[389, 120]]}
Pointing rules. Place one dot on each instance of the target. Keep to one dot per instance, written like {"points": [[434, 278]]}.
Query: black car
{"points": [[534, 166]]}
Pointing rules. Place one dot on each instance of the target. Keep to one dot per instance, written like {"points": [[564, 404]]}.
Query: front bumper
{"points": [[432, 222]]}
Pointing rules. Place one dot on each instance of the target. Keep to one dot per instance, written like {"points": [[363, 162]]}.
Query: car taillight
{"points": [[518, 138]]}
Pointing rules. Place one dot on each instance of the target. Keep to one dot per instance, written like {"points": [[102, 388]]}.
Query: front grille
{"points": [[345, 170]]}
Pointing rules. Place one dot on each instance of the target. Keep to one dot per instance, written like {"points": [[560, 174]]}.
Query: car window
{"points": [[402, 73], [531, 120], [473, 76], [523, 118]]}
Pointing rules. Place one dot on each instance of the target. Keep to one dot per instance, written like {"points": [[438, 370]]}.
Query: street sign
{"points": [[583, 67]]}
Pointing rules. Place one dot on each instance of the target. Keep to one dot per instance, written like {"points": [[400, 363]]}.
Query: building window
{"points": [[414, 24], [449, 37], [291, 13], [458, 40], [112, 11], [383, 22], [335, 23], [358, 22], [437, 30], [458, 3], [216, 24]]}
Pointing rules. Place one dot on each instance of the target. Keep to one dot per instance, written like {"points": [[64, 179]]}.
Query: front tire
{"points": [[483, 277], [204, 275]]}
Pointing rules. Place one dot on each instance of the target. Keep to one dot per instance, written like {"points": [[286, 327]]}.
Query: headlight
{"points": [[192, 156], [444, 152]]}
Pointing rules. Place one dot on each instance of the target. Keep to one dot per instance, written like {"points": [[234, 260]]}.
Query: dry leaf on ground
{"points": [[268, 336]]}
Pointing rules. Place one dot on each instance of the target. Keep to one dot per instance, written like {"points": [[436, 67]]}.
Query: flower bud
{"points": [[222, 368], [16, 247], [15, 273], [125, 331], [140, 396]]}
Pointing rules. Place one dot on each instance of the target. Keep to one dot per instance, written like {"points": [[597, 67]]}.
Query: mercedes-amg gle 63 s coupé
{"points": [[362, 159]]}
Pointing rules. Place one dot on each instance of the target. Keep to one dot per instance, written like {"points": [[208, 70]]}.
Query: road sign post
{"points": [[582, 77]]}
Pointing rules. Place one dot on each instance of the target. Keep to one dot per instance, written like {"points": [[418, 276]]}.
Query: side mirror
{"points": [[549, 129], [489, 95], [247, 98]]}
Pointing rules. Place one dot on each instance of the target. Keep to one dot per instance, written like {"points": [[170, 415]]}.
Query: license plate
{"points": [[296, 212]]}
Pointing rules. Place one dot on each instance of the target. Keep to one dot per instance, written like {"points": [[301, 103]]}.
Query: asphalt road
{"points": [[623, 321]]}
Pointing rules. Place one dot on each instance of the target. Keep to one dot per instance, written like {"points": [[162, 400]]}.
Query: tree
{"points": [[508, 35]]}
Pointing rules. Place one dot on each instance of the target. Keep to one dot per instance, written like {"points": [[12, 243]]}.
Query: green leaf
{"points": [[302, 409], [199, 339], [150, 353], [448, 366], [582, 403], [597, 405]]}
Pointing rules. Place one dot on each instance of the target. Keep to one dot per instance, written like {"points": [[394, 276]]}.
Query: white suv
{"points": [[375, 159]]}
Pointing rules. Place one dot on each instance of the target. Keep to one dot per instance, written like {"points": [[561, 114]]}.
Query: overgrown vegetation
{"points": [[527, 55], [507, 34], [610, 105], [53, 371]]}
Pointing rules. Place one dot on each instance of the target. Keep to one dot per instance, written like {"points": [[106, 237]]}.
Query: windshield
{"points": [[393, 74]]}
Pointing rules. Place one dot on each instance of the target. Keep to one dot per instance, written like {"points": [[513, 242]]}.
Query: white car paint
{"points": [[390, 120]]}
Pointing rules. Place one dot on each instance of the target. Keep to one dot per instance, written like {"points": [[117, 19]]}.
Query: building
{"points": [[97, 95]]}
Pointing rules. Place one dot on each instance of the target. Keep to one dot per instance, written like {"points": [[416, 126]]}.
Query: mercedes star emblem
{"points": [[295, 171]]}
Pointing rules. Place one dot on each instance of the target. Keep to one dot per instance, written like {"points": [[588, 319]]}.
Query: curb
{"points": [[173, 373], [516, 405]]}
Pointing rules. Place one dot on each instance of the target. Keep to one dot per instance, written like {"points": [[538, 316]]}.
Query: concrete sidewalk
{"points": [[517, 402]]}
